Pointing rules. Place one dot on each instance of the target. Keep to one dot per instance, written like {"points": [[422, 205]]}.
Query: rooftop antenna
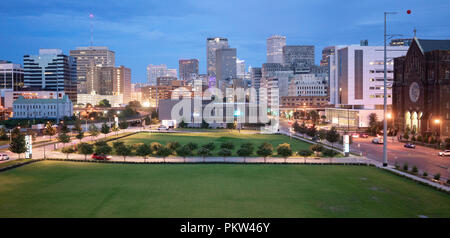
{"points": [[91, 17]]}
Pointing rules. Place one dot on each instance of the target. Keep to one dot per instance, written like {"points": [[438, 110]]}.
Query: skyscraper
{"points": [[187, 68], [51, 70], [326, 52], [240, 68], [212, 44], [110, 81], [155, 71], [298, 55], [11, 76], [275, 46], [225, 66], [88, 57]]}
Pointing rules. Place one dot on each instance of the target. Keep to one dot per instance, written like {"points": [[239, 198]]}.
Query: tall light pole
{"points": [[385, 163]]}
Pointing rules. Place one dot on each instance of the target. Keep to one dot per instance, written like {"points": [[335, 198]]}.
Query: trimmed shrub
{"points": [[227, 145], [405, 167], [414, 170], [329, 153], [437, 176], [316, 147], [224, 152], [305, 153], [425, 174], [210, 146]]}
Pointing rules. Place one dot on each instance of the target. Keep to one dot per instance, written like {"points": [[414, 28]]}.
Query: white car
{"points": [[162, 127], [4, 157], [444, 153]]}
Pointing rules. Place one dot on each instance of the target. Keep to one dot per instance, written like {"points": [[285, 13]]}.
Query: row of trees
{"points": [[331, 135]]}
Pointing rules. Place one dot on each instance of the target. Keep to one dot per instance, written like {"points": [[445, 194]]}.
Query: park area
{"points": [[79, 189], [218, 138]]}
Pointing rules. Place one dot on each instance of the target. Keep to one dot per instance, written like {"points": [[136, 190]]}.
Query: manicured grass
{"points": [[4, 164], [218, 138], [70, 189]]}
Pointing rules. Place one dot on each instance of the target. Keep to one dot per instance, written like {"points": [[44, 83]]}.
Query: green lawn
{"points": [[218, 138], [7, 163], [70, 189]]}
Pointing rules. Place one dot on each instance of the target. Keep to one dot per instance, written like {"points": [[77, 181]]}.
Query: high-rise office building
{"points": [[275, 46], [11, 76], [298, 56], [155, 71], [110, 81], [188, 68], [212, 44], [89, 57], [51, 70], [326, 52], [240, 68], [225, 67]]}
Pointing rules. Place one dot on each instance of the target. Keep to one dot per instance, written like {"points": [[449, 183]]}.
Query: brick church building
{"points": [[421, 88]]}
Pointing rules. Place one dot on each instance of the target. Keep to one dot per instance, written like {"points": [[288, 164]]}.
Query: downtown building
{"points": [[50, 108], [188, 69], [225, 66], [155, 71], [299, 57], [111, 83], [89, 57], [421, 90], [11, 76], [356, 78], [51, 70], [275, 46], [213, 44]]}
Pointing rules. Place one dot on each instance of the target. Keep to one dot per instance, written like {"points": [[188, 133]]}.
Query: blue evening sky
{"points": [[143, 32]]}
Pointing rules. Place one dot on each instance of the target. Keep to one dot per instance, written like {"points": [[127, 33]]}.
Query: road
{"points": [[424, 158]]}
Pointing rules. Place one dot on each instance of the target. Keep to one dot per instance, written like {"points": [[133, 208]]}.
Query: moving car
{"points": [[377, 140], [101, 156], [355, 135], [444, 153], [363, 135], [4, 156], [410, 145], [162, 127]]}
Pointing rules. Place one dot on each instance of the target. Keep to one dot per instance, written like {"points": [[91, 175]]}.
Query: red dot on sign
{"points": [[409, 11]]}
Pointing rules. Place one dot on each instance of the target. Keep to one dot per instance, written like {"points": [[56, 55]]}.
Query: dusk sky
{"points": [[143, 32]]}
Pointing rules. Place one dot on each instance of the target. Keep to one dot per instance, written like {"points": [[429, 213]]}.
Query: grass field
{"points": [[70, 189], [218, 138]]}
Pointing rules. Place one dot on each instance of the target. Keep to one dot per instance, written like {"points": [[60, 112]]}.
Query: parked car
{"points": [[355, 135], [101, 156], [162, 127], [363, 135], [377, 140], [4, 156], [444, 153], [410, 145]]}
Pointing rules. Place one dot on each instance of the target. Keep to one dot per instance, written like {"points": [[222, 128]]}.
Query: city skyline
{"points": [[161, 36]]}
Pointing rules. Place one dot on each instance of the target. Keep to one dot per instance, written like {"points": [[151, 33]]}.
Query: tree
{"points": [[67, 151], [18, 145], [155, 147], [182, 124], [322, 134], [296, 127], [105, 129], [49, 130], [103, 149], [147, 120], [192, 145], [312, 131], [115, 129], [64, 128], [184, 151], [204, 152], [332, 136], [227, 145], [284, 150], [63, 138], [173, 145], [373, 124], [447, 143], [210, 146], [93, 130], [85, 149], [104, 103], [204, 125], [314, 116], [77, 126], [124, 151], [3, 135], [265, 150], [80, 135], [164, 152], [224, 152], [123, 125], [245, 152], [144, 151]]}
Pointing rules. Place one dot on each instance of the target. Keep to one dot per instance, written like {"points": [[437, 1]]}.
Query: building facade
{"points": [[309, 85], [109, 81], [89, 57], [421, 90], [11, 76], [51, 70], [155, 71], [225, 66], [212, 44], [326, 53], [275, 46], [188, 69], [42, 108], [298, 56]]}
